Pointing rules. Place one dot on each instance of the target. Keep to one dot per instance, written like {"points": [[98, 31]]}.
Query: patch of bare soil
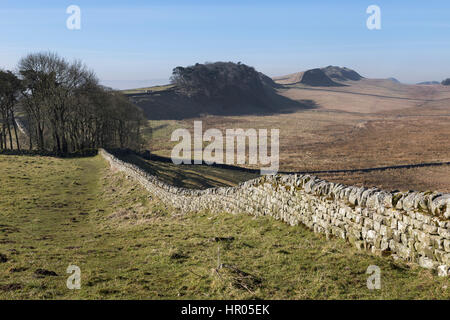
{"points": [[3, 258], [11, 287], [42, 273]]}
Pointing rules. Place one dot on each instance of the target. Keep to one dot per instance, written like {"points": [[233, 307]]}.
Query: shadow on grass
{"points": [[43, 153], [186, 176], [174, 105]]}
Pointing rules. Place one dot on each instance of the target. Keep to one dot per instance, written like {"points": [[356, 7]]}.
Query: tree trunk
{"points": [[15, 130], [9, 132], [30, 139], [40, 134], [5, 145], [1, 141]]}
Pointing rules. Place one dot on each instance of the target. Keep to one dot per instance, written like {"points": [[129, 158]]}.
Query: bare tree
{"points": [[69, 111], [10, 88]]}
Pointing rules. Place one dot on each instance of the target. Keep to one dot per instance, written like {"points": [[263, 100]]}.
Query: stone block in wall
{"points": [[446, 245], [401, 226], [439, 255], [422, 237], [377, 241], [404, 239], [376, 226], [444, 232], [403, 251], [370, 236], [430, 229], [437, 242], [424, 250], [394, 223], [380, 218], [443, 271], [440, 205], [446, 258], [338, 232], [408, 201], [368, 223], [384, 245], [417, 224], [396, 235], [427, 263]]}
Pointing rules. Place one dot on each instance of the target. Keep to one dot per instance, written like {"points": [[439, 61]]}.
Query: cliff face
{"points": [[318, 78], [341, 74], [413, 226], [218, 79]]}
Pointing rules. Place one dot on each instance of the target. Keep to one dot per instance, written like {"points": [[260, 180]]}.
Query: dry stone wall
{"points": [[413, 226]]}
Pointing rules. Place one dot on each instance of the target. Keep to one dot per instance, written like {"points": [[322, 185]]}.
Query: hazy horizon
{"points": [[129, 43]]}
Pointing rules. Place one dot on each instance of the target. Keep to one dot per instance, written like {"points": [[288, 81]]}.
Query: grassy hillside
{"points": [[147, 89], [57, 212]]}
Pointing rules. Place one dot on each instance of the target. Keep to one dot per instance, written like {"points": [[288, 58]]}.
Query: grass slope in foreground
{"points": [[58, 212]]}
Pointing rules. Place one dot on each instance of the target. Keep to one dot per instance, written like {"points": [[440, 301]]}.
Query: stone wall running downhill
{"points": [[413, 226]]}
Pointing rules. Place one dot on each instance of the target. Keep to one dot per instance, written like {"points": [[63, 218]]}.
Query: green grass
{"points": [[58, 212], [158, 134]]}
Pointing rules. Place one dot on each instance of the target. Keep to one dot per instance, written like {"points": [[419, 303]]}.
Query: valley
{"points": [[364, 124]]}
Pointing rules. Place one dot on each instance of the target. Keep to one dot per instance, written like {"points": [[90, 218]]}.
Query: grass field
{"points": [[60, 212], [147, 89], [421, 179]]}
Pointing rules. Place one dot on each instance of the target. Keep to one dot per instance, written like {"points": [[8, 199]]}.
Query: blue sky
{"points": [[135, 42]]}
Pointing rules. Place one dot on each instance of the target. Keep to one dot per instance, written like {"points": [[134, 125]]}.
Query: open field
{"points": [[147, 89], [369, 123], [60, 212], [421, 179]]}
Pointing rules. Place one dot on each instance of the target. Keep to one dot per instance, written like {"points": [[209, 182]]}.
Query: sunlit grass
{"points": [[58, 212]]}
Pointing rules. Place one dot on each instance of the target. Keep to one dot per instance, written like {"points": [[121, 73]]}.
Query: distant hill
{"points": [[330, 76], [217, 80], [394, 80], [341, 74], [220, 88], [318, 78], [446, 82], [429, 82]]}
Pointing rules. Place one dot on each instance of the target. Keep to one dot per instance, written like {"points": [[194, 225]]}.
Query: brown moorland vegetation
{"points": [[367, 123]]}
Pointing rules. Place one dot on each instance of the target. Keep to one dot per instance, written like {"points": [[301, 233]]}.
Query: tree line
{"points": [[64, 108]]}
